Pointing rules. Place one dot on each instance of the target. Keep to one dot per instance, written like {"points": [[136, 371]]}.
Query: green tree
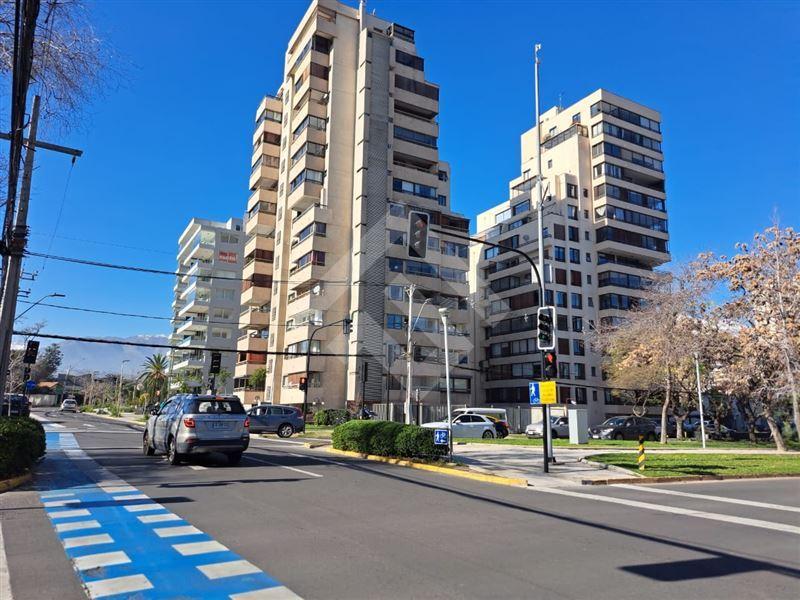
{"points": [[257, 379], [154, 375], [47, 364]]}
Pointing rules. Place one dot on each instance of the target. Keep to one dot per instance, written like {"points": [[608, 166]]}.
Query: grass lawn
{"points": [[676, 465], [317, 431], [518, 439]]}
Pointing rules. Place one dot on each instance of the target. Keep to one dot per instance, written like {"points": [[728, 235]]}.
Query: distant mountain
{"points": [[85, 357]]}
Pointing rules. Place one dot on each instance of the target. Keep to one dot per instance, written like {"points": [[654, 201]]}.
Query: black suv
{"points": [[624, 428], [20, 406]]}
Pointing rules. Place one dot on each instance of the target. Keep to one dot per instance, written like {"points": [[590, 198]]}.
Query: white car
{"points": [[559, 427], [468, 426], [69, 404]]}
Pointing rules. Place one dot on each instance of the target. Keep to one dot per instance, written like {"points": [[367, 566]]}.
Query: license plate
{"points": [[219, 425]]}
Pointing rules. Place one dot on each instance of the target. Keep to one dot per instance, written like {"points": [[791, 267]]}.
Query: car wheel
{"points": [[234, 458], [172, 452], [487, 435], [554, 434], [147, 449], [619, 436], [285, 430], [651, 437]]}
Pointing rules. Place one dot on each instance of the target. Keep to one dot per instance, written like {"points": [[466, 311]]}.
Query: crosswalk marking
{"points": [[278, 592], [707, 497], [106, 559], [228, 569], [58, 495], [55, 503], [198, 467], [76, 525], [66, 514], [143, 507], [131, 497], [194, 548], [118, 585], [164, 532], [159, 518], [118, 489], [87, 540]]}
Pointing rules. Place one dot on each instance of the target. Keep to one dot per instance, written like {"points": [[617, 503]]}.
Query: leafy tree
{"points": [[154, 375], [47, 363], [257, 379]]}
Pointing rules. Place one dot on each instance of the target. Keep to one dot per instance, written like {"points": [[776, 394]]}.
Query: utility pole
{"points": [[700, 399], [410, 291]]}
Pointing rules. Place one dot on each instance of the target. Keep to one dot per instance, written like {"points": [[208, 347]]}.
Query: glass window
{"points": [[561, 299], [577, 300], [559, 253], [574, 256]]}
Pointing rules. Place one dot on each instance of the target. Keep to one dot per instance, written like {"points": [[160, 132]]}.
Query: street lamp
{"points": [[444, 312], [409, 357], [42, 299], [700, 399], [119, 390]]}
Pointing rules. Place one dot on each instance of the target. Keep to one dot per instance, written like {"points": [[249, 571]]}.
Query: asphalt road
{"points": [[330, 527]]}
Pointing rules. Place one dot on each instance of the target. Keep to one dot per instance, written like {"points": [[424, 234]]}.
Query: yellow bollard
{"points": [[641, 453]]}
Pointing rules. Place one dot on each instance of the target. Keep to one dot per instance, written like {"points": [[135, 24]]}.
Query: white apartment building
{"points": [[341, 153], [605, 230], [206, 305]]}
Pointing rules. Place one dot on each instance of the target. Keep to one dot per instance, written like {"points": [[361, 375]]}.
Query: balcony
{"points": [[195, 304], [256, 294], [313, 213], [248, 343], [305, 195], [194, 323], [264, 173], [254, 318]]}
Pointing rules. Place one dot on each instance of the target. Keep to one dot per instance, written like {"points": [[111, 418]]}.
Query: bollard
{"points": [[641, 453]]}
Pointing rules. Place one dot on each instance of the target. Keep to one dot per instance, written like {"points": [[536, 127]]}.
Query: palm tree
{"points": [[154, 376]]}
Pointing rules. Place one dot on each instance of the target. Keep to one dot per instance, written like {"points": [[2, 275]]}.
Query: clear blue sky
{"points": [[172, 142]]}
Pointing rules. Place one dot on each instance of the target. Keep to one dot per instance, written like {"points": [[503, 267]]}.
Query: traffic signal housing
{"points": [[545, 323], [303, 384], [31, 350], [550, 365], [216, 363], [418, 234], [347, 326]]}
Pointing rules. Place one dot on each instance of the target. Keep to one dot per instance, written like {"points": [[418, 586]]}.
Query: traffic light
{"points": [[546, 316], [31, 350], [417, 234], [550, 365], [347, 326], [303, 384], [216, 362]]}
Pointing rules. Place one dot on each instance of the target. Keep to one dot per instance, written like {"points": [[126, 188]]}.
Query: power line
{"points": [[71, 338], [63, 198], [102, 243]]}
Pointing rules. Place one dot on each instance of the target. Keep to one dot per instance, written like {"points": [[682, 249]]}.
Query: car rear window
{"points": [[215, 407]]}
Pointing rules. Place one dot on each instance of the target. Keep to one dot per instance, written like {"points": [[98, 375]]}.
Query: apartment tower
{"points": [[343, 151], [605, 230], [206, 304]]}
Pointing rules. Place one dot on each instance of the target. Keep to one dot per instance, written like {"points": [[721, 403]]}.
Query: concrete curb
{"points": [[644, 480], [496, 479], [117, 419], [14, 482]]}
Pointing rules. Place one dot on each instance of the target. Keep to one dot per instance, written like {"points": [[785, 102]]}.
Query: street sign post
{"points": [[29, 385], [441, 437], [542, 392]]}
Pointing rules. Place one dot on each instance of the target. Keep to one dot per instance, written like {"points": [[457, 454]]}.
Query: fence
{"points": [[519, 415]]}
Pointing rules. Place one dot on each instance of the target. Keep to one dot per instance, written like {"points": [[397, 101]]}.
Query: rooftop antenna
{"points": [[560, 106]]}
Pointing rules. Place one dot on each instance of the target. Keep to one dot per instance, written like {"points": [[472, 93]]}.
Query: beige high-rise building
{"points": [[605, 229], [343, 151]]}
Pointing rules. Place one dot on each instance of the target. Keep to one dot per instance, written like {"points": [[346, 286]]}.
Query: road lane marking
{"points": [[105, 559], [5, 579], [198, 467], [274, 464], [274, 593], [143, 507], [194, 548], [325, 460], [231, 568], [118, 489], [59, 495], [88, 425], [118, 585], [674, 510], [56, 503], [131, 497], [87, 540], [707, 497], [76, 526], [166, 532], [159, 518], [67, 514], [55, 425]]}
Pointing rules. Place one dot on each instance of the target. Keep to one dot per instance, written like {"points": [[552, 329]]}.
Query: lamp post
{"points": [[409, 357], [42, 299], [308, 361], [443, 312], [119, 386], [700, 399]]}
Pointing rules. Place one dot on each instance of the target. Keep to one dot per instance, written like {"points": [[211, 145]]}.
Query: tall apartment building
{"points": [[343, 151], [605, 229], [206, 305]]}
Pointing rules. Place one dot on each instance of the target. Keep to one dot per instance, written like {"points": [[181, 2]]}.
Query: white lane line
{"points": [[77, 526], [714, 498], [106, 559], [56, 425], [66, 514], [198, 467], [232, 568], [159, 518], [143, 507], [118, 489], [131, 497], [278, 592], [87, 425], [166, 532], [59, 495], [5, 579], [56, 503], [118, 585], [274, 464], [87, 540], [674, 510], [199, 548]]}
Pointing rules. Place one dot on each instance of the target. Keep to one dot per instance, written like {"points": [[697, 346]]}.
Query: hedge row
{"points": [[22, 442], [331, 416], [386, 438]]}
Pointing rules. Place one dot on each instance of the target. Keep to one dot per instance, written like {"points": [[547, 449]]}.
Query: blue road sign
{"points": [[543, 392], [29, 385], [533, 392], [441, 437]]}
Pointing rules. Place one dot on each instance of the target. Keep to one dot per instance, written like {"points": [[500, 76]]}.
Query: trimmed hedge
{"points": [[331, 416], [387, 438], [22, 442]]}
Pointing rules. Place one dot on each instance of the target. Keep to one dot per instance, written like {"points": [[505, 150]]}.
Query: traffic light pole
{"points": [[537, 276], [308, 363]]}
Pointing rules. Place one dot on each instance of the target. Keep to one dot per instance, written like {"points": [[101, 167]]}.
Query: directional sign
{"points": [[441, 437], [29, 385], [543, 392]]}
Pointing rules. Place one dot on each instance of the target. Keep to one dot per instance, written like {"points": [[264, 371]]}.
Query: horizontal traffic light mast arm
{"points": [[502, 246]]}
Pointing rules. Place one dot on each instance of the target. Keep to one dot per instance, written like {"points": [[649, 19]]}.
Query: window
{"points": [[621, 280], [577, 324], [631, 216], [563, 346], [561, 276], [588, 256], [416, 87], [561, 299], [453, 274], [576, 118], [549, 164], [578, 348], [625, 115], [577, 301], [315, 257], [561, 323], [618, 302], [572, 212], [414, 267], [563, 370], [559, 253], [503, 215], [620, 193], [442, 200], [586, 234], [415, 137], [521, 207], [454, 249], [396, 292], [395, 322], [575, 278], [579, 371], [580, 395], [574, 256], [306, 175], [415, 189], [397, 237], [572, 190], [626, 134], [490, 253], [395, 264], [409, 60], [309, 121], [574, 234], [559, 231], [631, 238]]}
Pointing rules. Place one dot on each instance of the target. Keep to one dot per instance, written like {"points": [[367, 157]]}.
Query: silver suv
{"points": [[194, 424]]}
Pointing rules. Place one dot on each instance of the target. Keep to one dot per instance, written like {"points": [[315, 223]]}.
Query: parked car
{"points": [[624, 428], [672, 426], [69, 405], [559, 428], [19, 404], [190, 424], [498, 415], [468, 426], [500, 427], [270, 418]]}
